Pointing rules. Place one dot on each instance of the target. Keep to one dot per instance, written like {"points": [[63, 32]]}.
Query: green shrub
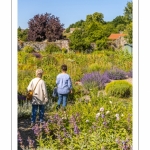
{"points": [[94, 67], [119, 88], [64, 50], [52, 48], [28, 49]]}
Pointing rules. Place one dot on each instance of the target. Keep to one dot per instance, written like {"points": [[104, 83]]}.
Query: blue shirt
{"points": [[64, 84]]}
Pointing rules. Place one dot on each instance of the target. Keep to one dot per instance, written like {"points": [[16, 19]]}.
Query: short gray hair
{"points": [[39, 72]]}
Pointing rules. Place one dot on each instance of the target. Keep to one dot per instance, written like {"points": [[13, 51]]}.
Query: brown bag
{"points": [[30, 93]]}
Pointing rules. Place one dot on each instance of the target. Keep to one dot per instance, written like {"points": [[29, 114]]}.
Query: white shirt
{"points": [[40, 96]]}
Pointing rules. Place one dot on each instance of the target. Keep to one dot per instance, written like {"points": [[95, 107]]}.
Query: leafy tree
{"points": [[129, 33], [119, 20], [120, 27], [128, 12], [22, 34], [78, 24], [102, 44], [98, 17], [45, 26], [77, 41]]}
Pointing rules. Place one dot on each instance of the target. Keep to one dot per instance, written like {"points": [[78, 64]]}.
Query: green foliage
{"points": [[103, 122], [95, 17], [128, 12], [94, 67], [22, 34], [64, 50], [101, 44], [129, 31], [28, 49], [119, 88], [77, 42], [77, 24], [120, 27], [119, 20], [52, 48], [96, 131]]}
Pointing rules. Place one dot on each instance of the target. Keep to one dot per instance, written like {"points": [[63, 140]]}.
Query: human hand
{"points": [[46, 100]]}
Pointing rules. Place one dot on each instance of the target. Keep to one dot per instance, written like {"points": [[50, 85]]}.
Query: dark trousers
{"points": [[34, 112]]}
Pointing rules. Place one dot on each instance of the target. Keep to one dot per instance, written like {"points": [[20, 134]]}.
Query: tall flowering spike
{"points": [[36, 129], [95, 79], [76, 129], [103, 116], [97, 115], [117, 117], [116, 74], [20, 138], [31, 142]]}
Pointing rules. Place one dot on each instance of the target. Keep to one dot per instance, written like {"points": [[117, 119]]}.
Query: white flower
{"points": [[101, 109], [117, 115], [97, 115], [87, 121], [110, 102], [107, 112]]}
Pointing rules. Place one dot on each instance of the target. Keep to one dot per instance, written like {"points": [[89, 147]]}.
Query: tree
{"points": [[128, 12], [77, 41], [22, 34], [45, 26], [129, 33], [96, 17], [78, 24], [119, 20]]}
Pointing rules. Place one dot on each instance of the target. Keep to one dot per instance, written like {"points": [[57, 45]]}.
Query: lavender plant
{"points": [[129, 74], [95, 80], [116, 74]]}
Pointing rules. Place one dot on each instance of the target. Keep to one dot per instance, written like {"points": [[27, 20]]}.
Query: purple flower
{"points": [[101, 109], [95, 79], [104, 123], [129, 74], [76, 129], [36, 129], [21, 97], [31, 142], [116, 74], [102, 115]]}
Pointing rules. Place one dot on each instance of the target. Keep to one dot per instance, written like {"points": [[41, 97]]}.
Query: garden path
{"points": [[25, 130]]}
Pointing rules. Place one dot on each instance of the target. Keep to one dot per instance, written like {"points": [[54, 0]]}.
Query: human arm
{"points": [[45, 92], [30, 86], [70, 84]]}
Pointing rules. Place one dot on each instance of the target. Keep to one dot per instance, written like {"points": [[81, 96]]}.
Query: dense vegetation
{"points": [[99, 111], [93, 118]]}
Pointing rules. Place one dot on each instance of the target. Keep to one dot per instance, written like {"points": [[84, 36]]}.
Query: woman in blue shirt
{"points": [[64, 87]]}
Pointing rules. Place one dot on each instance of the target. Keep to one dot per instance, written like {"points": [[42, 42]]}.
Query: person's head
{"points": [[64, 68], [39, 73]]}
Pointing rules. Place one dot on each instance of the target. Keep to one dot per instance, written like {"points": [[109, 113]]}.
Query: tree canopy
{"points": [[45, 26]]}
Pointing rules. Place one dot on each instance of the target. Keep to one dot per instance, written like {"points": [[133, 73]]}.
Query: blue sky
{"points": [[69, 11]]}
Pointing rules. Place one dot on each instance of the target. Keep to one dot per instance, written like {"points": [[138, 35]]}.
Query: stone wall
{"points": [[39, 46]]}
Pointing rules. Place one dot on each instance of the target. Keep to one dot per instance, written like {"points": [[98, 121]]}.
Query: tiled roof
{"points": [[115, 36]]}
